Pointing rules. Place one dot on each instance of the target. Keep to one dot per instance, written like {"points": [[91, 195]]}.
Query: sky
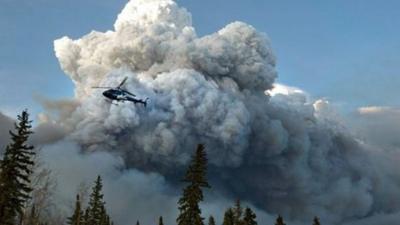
{"points": [[343, 51]]}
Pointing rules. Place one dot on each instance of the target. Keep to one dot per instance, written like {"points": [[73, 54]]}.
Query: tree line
{"points": [[17, 208]]}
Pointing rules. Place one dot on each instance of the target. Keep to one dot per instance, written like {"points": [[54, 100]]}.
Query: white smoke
{"points": [[379, 125], [198, 86], [275, 149]]}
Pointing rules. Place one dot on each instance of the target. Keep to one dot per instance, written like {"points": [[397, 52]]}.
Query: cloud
{"points": [[380, 125], [374, 110]]}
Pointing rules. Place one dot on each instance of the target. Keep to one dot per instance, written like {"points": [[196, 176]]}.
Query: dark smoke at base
{"points": [[273, 148]]}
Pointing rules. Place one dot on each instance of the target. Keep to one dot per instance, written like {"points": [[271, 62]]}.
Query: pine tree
{"points": [[229, 217], [249, 217], [279, 221], [105, 219], [237, 212], [86, 217], [316, 221], [96, 211], [15, 168], [189, 210], [96, 203], [211, 220], [160, 221], [77, 217]]}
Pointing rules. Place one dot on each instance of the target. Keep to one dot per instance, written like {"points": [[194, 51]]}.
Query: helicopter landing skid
{"points": [[111, 102]]}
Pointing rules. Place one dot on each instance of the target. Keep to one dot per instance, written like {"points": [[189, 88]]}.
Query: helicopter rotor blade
{"points": [[103, 87], [123, 82]]}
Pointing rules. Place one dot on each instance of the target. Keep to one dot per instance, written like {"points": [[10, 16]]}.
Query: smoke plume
{"points": [[273, 148]]}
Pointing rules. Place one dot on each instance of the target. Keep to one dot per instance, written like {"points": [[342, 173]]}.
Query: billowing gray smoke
{"points": [[270, 147]]}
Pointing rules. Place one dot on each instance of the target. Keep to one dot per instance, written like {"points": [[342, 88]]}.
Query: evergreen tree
{"points": [[96, 212], [105, 219], [77, 217], [279, 221], [211, 220], [189, 210], [249, 217], [229, 217], [316, 221], [86, 217], [160, 221], [237, 212], [15, 168]]}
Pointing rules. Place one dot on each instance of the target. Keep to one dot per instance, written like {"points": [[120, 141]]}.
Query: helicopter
{"points": [[119, 94]]}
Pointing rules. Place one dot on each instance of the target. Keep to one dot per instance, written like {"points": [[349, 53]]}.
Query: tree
{"points": [[160, 221], [32, 218], [316, 221], [229, 217], [15, 168], [86, 217], [279, 221], [41, 198], [77, 217], [96, 211], [44, 185], [249, 217], [237, 212], [137, 222], [211, 220], [105, 219], [189, 210]]}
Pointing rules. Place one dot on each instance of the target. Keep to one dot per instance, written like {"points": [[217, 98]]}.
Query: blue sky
{"points": [[345, 51]]}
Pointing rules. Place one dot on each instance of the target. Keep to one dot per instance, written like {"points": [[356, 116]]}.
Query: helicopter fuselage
{"points": [[115, 94], [118, 94]]}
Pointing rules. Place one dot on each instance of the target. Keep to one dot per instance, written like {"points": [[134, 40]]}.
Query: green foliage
{"points": [[316, 221], [96, 204], [86, 216], [229, 217], [279, 221], [160, 221], [211, 220], [15, 168], [95, 213], [77, 218], [249, 217], [189, 210], [237, 213]]}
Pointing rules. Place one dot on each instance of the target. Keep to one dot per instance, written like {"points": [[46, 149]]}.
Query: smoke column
{"points": [[273, 148]]}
